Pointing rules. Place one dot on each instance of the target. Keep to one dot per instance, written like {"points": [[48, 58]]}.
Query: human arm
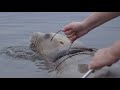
{"points": [[106, 56], [76, 30]]}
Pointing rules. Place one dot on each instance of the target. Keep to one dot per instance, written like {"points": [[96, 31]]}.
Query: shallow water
{"points": [[17, 27]]}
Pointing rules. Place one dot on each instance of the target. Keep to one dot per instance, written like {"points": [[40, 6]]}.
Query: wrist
{"points": [[90, 24], [86, 25]]}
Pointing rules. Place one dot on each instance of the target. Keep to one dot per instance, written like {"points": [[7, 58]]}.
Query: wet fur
{"points": [[69, 68]]}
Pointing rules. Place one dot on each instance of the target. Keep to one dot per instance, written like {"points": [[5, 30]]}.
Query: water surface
{"points": [[17, 27]]}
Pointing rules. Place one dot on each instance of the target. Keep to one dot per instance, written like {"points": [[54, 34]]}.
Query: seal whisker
{"points": [[55, 34]]}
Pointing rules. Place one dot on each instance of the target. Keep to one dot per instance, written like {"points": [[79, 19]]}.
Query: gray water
{"points": [[17, 27]]}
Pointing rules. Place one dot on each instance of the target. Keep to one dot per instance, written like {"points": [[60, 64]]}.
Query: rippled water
{"points": [[17, 27]]}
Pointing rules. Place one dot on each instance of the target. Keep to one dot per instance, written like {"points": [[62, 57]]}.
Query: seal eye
{"points": [[47, 36], [61, 42]]}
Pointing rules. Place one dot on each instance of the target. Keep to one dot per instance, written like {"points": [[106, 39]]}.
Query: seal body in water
{"points": [[64, 64]]}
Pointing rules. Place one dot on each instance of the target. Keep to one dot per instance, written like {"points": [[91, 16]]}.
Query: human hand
{"points": [[103, 57], [75, 30]]}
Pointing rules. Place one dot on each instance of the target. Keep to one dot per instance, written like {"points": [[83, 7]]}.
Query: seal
{"points": [[64, 64]]}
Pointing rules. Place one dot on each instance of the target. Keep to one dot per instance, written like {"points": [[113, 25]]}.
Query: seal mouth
{"points": [[32, 47]]}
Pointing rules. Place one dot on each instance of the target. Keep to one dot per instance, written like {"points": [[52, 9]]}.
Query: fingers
{"points": [[73, 39], [96, 64], [92, 65], [68, 32], [67, 28], [95, 68], [71, 35], [71, 31]]}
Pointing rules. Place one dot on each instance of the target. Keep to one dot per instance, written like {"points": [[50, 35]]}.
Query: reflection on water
{"points": [[16, 59], [24, 53]]}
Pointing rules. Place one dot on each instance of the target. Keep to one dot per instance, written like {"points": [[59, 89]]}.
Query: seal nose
{"points": [[32, 47]]}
